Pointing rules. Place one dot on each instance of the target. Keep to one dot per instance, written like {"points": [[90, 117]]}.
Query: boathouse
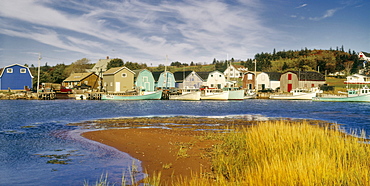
{"points": [[16, 77], [164, 80], [249, 80], [118, 79], [268, 80], [87, 80], [300, 79], [214, 79], [144, 80], [188, 80]]}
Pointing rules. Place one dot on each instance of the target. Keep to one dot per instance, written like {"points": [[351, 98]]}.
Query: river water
{"points": [[33, 132]]}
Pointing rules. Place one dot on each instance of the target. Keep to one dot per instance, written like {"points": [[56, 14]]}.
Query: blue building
{"points": [[16, 77], [144, 80], [164, 80]]}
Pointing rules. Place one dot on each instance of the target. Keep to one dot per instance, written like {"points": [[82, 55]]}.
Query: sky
{"points": [[164, 31]]}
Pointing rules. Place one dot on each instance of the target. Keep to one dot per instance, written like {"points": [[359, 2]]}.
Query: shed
{"points": [[16, 77]]}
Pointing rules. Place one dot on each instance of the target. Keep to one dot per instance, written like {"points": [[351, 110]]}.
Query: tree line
{"points": [[324, 61]]}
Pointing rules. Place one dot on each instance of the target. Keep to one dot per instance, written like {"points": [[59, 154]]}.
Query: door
{"points": [[118, 87], [290, 87]]}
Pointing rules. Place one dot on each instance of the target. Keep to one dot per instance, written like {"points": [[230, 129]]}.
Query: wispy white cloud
{"points": [[328, 13], [302, 5], [138, 30]]}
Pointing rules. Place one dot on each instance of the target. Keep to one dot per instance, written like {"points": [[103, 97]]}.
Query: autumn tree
{"points": [[115, 63], [78, 66]]}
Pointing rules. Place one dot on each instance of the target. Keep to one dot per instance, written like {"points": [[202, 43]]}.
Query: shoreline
{"points": [[170, 153], [172, 147]]}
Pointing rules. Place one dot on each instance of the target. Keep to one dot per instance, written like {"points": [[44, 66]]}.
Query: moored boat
{"points": [[151, 96], [250, 94], [214, 94], [358, 95], [234, 93], [297, 94], [187, 94]]}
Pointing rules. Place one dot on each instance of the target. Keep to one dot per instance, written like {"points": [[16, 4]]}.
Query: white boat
{"points": [[152, 96], [298, 94], [187, 94], [214, 94], [352, 95], [234, 93], [250, 94]]}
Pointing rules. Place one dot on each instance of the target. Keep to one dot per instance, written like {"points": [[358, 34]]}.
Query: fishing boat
{"points": [[142, 96], [234, 93], [187, 94], [214, 94], [353, 95], [298, 94], [250, 94]]}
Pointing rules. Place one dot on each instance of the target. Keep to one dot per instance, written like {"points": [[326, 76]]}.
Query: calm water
{"points": [[32, 131]]}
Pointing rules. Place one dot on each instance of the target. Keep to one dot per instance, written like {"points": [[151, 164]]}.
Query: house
{"points": [[364, 56], [214, 79], [249, 80], [164, 80], [300, 79], [82, 80], [16, 77], [100, 66], [118, 79], [188, 80], [235, 71], [268, 80], [357, 79], [144, 80]]}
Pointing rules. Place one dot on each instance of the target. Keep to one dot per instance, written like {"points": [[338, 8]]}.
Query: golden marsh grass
{"points": [[284, 153]]}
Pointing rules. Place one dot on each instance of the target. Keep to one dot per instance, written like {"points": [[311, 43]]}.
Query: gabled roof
{"points": [[203, 75], [116, 70], [101, 65], [366, 54], [156, 75], [78, 76], [240, 68], [274, 76], [309, 75], [179, 76], [2, 71]]}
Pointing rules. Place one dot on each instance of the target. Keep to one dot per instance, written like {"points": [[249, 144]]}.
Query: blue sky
{"points": [[146, 31]]}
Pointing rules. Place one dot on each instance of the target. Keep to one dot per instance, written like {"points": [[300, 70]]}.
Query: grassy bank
{"points": [[284, 153]]}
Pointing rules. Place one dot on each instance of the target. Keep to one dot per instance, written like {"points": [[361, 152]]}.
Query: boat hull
{"points": [[236, 95], [307, 96], [216, 96], [361, 98], [192, 96], [153, 96]]}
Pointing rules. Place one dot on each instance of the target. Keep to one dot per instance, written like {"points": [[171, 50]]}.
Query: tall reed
{"points": [[290, 153], [284, 153]]}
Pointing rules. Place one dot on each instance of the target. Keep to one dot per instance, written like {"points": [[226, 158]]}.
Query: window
{"points": [[9, 70], [249, 76], [212, 85], [23, 70], [124, 75], [212, 75], [289, 76], [220, 75], [111, 84]]}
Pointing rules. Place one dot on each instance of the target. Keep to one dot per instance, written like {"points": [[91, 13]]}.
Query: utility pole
{"points": [[38, 76], [255, 75]]}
